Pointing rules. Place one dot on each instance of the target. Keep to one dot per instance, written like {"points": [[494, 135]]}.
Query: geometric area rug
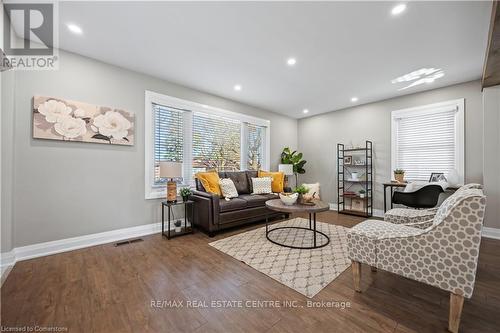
{"points": [[305, 271]]}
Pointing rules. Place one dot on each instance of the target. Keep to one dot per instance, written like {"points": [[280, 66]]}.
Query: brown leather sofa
{"points": [[212, 213]]}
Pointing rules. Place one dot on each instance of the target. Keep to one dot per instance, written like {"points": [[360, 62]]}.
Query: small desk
{"points": [[392, 185]]}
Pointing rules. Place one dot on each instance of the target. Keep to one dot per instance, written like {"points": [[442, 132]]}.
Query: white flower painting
{"points": [[59, 119]]}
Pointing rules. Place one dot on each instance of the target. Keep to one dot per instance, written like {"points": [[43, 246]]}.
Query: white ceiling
{"points": [[343, 49]]}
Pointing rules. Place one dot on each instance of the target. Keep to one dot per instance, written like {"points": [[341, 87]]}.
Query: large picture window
{"points": [[201, 138], [429, 139]]}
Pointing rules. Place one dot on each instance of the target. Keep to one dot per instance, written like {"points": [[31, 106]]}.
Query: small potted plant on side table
{"points": [[185, 193], [178, 226], [301, 190], [399, 175], [362, 193]]}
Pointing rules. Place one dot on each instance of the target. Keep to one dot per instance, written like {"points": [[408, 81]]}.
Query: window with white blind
{"points": [[168, 138], [254, 136], [201, 138], [429, 139], [216, 143]]}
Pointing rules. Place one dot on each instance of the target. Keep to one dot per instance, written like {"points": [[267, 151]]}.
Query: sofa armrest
{"points": [[206, 210]]}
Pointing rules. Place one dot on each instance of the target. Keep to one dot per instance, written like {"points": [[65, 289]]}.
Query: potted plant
{"points": [[185, 193], [177, 225], [301, 190], [362, 193], [399, 175], [295, 159]]}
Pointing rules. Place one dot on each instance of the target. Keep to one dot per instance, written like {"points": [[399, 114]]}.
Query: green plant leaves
{"points": [[294, 158]]}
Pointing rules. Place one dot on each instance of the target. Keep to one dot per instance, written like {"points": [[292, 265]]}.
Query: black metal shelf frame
{"points": [[342, 183]]}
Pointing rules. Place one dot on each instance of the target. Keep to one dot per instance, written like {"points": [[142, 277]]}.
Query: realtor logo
{"points": [[30, 36]]}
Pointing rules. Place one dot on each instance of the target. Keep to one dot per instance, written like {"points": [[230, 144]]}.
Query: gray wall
{"points": [[319, 135], [65, 189], [7, 138], [491, 110]]}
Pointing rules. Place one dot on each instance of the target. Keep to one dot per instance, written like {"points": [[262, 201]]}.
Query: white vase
{"points": [[354, 176], [178, 229]]}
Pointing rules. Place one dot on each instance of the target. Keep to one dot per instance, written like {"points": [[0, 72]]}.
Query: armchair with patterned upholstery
{"points": [[443, 255]]}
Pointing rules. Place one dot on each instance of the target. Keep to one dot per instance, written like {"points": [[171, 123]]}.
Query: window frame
{"points": [[157, 191], [459, 104]]}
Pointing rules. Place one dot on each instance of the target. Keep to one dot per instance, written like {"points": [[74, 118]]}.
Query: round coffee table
{"points": [[319, 239]]}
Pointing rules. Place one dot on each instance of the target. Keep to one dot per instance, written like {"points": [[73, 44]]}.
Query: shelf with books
{"points": [[355, 180]]}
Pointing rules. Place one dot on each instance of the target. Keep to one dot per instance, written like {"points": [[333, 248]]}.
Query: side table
{"points": [[185, 228]]}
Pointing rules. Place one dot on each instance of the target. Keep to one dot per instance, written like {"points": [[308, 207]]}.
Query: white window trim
{"points": [[434, 108], [155, 192]]}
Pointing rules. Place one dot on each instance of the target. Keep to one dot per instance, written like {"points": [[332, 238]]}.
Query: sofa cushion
{"points": [[240, 181], [278, 180], [227, 188], [210, 181], [233, 204], [256, 200]]}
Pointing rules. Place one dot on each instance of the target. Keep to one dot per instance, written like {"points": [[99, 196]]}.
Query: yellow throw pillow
{"points": [[278, 180], [210, 181]]}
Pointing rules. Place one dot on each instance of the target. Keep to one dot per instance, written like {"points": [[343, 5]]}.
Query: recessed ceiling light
{"points": [[291, 61], [354, 99], [74, 28], [305, 111], [398, 9], [237, 87], [420, 76]]}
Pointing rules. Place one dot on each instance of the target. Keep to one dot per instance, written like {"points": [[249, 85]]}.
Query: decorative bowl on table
{"points": [[289, 199]]}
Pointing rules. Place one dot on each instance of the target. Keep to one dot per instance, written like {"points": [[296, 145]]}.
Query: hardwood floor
{"points": [[111, 289]]}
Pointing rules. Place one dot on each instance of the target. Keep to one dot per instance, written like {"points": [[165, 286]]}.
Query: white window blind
{"points": [[428, 140], [216, 143], [168, 138], [254, 147], [201, 137]]}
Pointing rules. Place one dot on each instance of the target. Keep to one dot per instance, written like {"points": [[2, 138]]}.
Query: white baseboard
{"points": [[376, 212], [491, 232], [8, 259]]}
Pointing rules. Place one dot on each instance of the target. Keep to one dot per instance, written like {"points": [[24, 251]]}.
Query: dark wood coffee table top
{"points": [[278, 205]]}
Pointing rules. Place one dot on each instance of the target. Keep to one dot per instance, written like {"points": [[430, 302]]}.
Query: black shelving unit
{"points": [[346, 186]]}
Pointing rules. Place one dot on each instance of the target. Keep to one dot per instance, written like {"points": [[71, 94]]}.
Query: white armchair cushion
{"points": [[408, 215], [363, 237]]}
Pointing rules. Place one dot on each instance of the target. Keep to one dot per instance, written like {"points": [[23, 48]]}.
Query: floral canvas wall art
{"points": [[66, 120]]}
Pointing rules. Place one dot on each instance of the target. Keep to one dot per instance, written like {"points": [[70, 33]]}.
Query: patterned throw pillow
{"points": [[262, 185], [227, 188]]}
